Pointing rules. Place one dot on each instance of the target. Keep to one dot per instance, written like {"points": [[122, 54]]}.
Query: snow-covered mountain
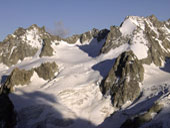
{"points": [[102, 78]]}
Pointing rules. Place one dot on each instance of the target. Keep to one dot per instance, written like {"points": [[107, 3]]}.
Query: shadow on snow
{"points": [[166, 67], [104, 67], [93, 48], [119, 117], [37, 110]]}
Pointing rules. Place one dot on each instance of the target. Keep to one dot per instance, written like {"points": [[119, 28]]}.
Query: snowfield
{"points": [[74, 94], [73, 99]]}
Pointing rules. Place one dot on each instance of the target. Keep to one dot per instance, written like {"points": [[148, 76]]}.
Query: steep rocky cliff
{"points": [[123, 80]]}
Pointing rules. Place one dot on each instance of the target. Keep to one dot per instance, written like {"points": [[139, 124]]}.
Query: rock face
{"points": [[17, 77], [140, 119], [87, 36], [123, 80], [73, 39], [158, 39], [148, 32], [113, 40], [47, 50], [47, 70], [14, 51], [26, 43]]}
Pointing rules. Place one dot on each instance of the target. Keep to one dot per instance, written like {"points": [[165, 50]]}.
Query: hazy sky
{"points": [[75, 16]]}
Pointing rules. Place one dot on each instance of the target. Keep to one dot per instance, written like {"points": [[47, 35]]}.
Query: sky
{"points": [[75, 16]]}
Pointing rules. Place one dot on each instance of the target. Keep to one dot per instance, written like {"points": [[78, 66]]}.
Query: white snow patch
{"points": [[126, 104], [139, 21], [12, 51], [153, 114], [35, 78], [127, 27], [140, 50], [167, 30], [32, 38], [160, 43], [153, 75]]}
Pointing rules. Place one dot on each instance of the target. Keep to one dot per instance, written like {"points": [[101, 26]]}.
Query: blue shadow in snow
{"points": [[3, 79], [93, 48], [166, 67], [104, 67]]}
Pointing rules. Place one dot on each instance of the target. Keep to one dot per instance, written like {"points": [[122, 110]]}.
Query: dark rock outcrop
{"points": [[123, 80], [87, 36], [47, 70], [72, 39], [47, 50], [159, 44], [138, 120], [113, 40], [12, 50], [17, 77]]}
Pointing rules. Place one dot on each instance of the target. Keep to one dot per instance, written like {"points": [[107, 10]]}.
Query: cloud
{"points": [[59, 29]]}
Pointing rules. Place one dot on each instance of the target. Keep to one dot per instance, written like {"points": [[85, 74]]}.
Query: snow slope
{"points": [[73, 94]]}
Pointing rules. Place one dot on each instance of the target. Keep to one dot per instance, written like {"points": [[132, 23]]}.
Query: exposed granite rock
{"points": [[87, 36], [158, 43], [17, 77], [155, 21], [113, 40], [73, 39], [14, 50], [123, 80], [138, 120], [47, 70], [25, 43], [46, 50], [155, 53]]}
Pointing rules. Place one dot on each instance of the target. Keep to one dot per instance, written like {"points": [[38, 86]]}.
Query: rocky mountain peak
{"points": [[152, 17], [26, 43], [123, 80]]}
